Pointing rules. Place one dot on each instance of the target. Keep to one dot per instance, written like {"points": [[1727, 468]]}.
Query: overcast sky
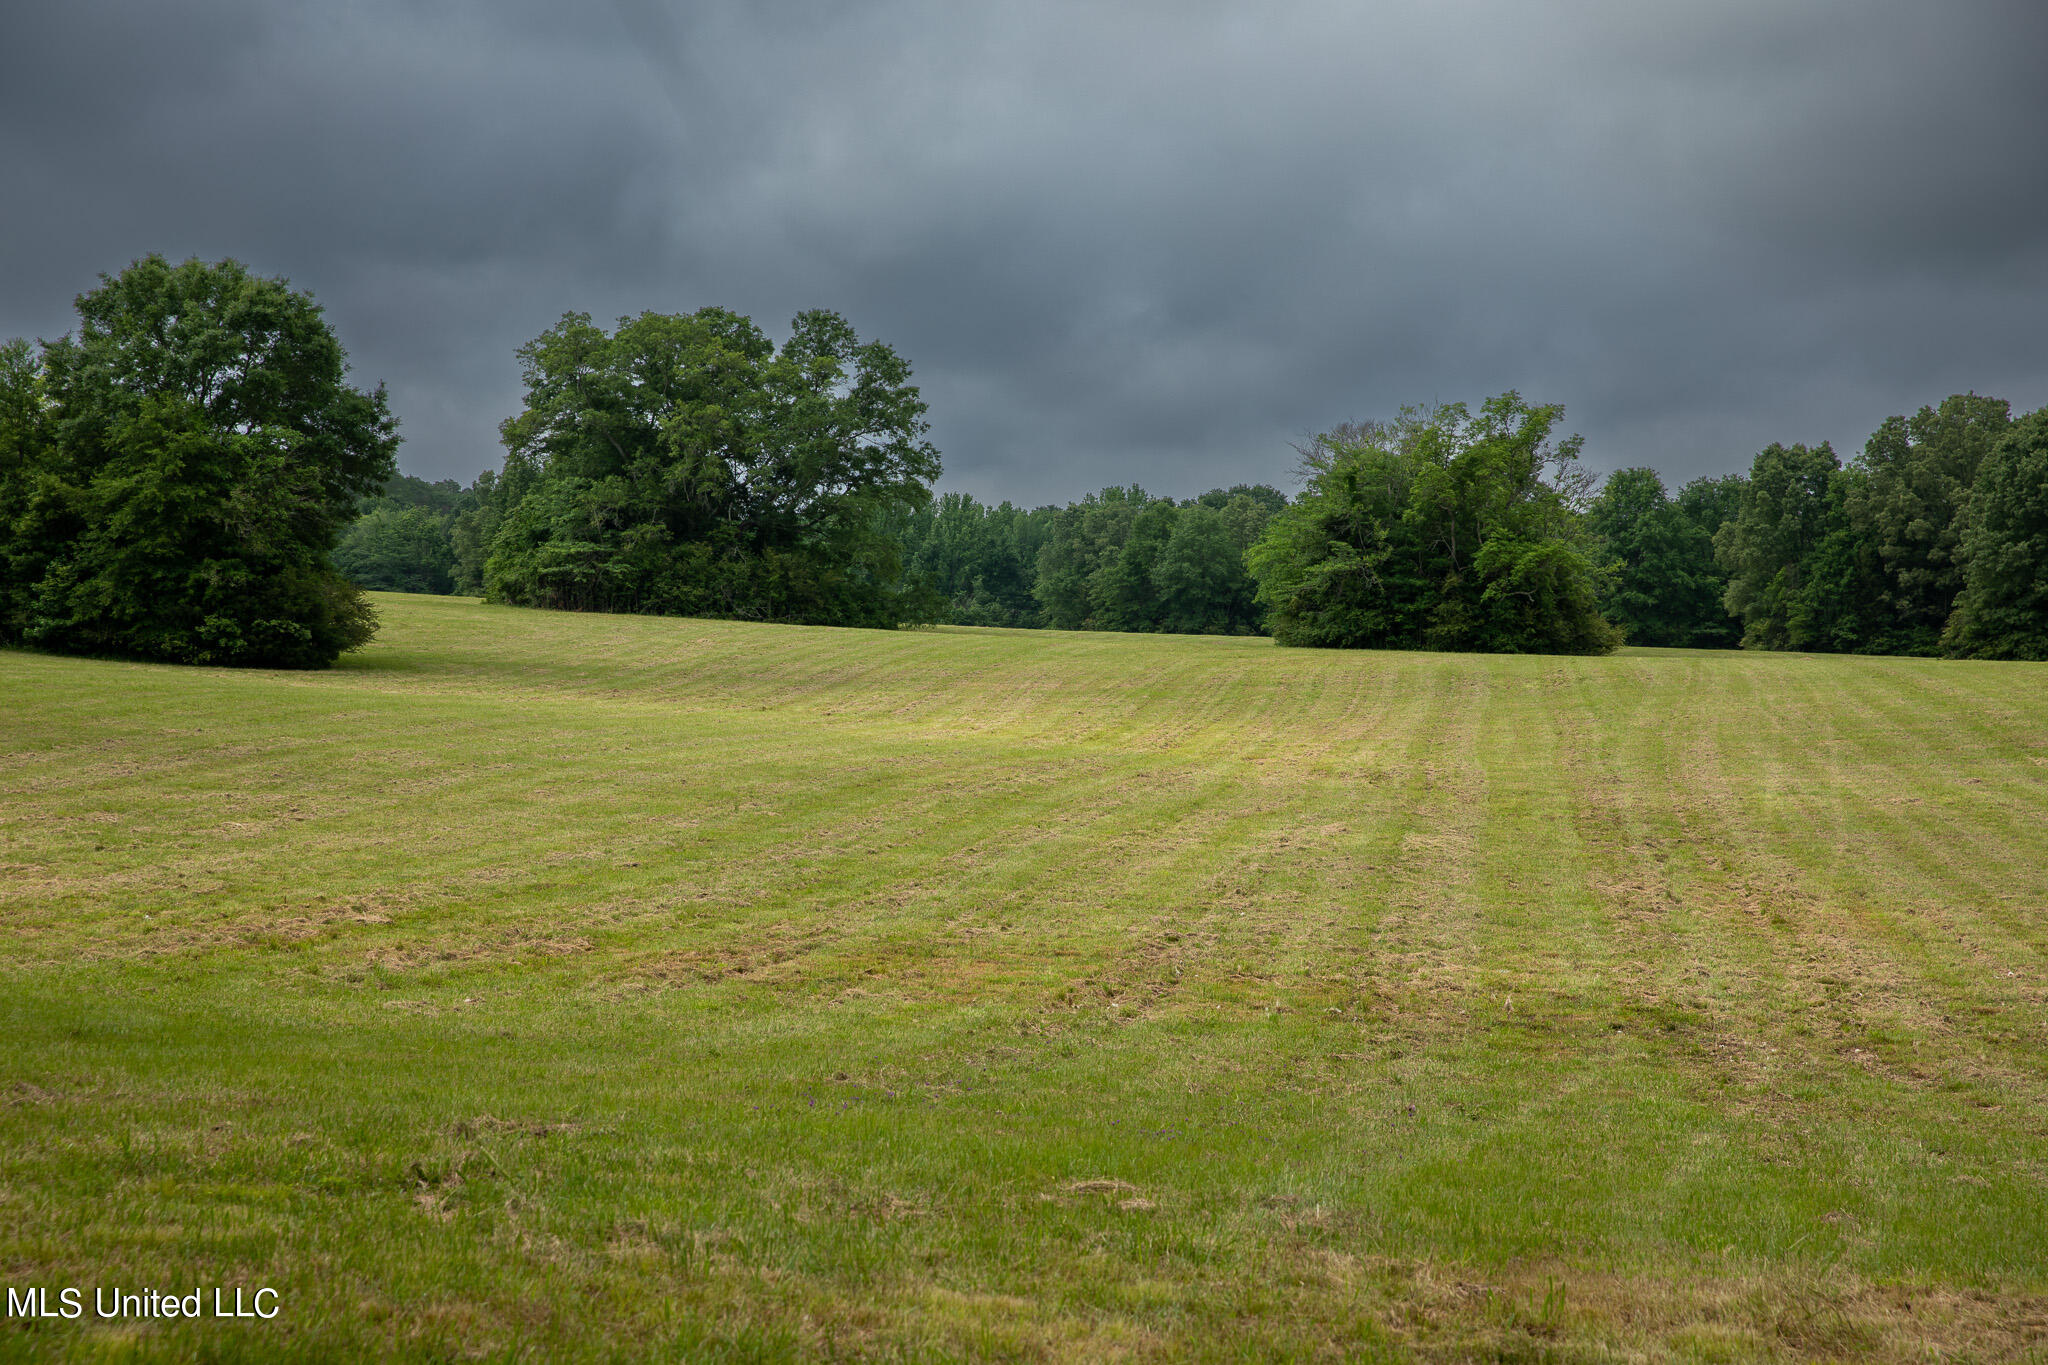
{"points": [[1133, 242]]}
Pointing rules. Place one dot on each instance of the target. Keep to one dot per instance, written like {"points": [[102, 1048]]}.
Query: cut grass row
{"points": [[593, 986]]}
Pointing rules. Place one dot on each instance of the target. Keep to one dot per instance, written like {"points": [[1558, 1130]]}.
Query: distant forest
{"points": [[1933, 540], [1119, 559]]}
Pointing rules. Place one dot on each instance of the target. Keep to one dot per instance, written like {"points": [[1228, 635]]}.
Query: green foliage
{"points": [[1081, 551], [1870, 557], [1786, 513], [33, 526], [1119, 559], [685, 465], [1843, 606], [444, 496], [1710, 504], [1665, 589], [1122, 589], [1122, 559], [1203, 585], [978, 561], [416, 536], [394, 548], [2002, 611], [471, 531], [1440, 530], [1916, 474], [175, 475], [1257, 499]]}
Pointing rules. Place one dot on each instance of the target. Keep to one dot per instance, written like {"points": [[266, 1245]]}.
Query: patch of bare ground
{"points": [[485, 1124], [140, 934], [506, 944], [1564, 1312], [769, 953]]}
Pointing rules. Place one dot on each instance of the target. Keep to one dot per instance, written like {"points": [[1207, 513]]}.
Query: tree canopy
{"points": [[681, 464], [1873, 556], [687, 465], [1122, 559], [416, 536], [1443, 529], [1908, 505], [2002, 610], [173, 478], [1118, 559], [1664, 588]]}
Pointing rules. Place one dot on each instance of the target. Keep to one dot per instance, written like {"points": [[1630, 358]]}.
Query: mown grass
{"points": [[561, 987]]}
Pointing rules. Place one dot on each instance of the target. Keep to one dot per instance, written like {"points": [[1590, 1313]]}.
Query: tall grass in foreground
{"points": [[560, 987]]}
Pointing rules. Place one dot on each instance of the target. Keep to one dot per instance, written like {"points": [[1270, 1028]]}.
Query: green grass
{"points": [[565, 987]]}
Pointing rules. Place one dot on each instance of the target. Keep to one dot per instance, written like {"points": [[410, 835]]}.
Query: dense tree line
{"points": [[973, 564], [191, 478], [1933, 541], [1453, 529], [1663, 584], [415, 536], [1119, 559], [173, 477]]}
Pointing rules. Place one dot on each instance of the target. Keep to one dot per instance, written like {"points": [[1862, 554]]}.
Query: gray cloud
{"points": [[1149, 243]]}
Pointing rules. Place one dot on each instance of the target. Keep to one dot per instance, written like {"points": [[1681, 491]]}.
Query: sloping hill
{"points": [[583, 985]]}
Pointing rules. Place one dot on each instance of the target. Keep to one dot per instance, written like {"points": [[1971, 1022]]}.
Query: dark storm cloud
{"points": [[1142, 242]]}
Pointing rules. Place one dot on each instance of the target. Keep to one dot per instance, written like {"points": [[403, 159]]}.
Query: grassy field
{"points": [[560, 987]]}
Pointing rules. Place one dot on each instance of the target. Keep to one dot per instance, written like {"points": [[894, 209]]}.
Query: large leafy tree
{"points": [[687, 465], [25, 462], [2002, 611], [173, 478], [1123, 590], [1444, 529]]}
